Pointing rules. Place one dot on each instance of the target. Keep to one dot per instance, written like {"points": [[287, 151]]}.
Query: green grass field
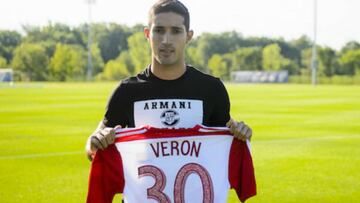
{"points": [[306, 143]]}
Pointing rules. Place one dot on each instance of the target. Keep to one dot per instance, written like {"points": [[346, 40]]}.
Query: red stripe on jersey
{"points": [[152, 133], [149, 135]]}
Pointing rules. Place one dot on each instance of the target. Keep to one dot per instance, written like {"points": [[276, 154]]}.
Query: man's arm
{"points": [[101, 138], [221, 115], [104, 135]]}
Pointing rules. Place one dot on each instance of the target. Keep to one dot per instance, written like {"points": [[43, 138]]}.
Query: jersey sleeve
{"points": [[117, 110], [241, 170], [106, 176]]}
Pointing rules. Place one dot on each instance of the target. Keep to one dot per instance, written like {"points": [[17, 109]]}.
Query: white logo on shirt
{"points": [[176, 113]]}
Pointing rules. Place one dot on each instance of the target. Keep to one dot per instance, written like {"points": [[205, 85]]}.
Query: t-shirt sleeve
{"points": [[106, 176], [116, 109], [221, 114], [241, 170]]}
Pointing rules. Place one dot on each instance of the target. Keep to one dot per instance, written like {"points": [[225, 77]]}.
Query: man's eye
{"points": [[177, 31], [158, 30]]}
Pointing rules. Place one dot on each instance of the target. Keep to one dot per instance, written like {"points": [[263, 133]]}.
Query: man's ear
{"points": [[189, 36], [147, 32]]}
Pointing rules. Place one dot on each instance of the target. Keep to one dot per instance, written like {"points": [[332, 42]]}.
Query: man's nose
{"points": [[166, 38]]}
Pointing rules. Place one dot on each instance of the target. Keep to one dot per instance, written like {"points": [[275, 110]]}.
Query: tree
{"points": [[113, 41], [257, 42], [68, 63], [31, 59], [9, 40], [350, 62], [97, 61], [116, 69], [125, 59], [111, 38], [52, 34], [193, 58], [3, 62], [139, 51], [272, 57], [249, 58], [58, 32], [301, 43], [306, 58], [218, 66], [352, 45], [327, 61], [210, 44], [291, 66]]}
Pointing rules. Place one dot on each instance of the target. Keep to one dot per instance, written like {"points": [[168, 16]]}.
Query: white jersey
{"points": [[148, 164]]}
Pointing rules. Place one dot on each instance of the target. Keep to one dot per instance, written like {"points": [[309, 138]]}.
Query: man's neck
{"points": [[170, 72]]}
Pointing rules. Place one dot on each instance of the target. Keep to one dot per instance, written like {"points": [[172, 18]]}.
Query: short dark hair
{"points": [[163, 6]]}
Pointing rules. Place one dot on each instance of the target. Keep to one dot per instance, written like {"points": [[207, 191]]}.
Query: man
{"points": [[168, 93]]}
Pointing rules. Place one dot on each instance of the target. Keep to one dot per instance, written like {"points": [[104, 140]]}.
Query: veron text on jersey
{"points": [[176, 148]]}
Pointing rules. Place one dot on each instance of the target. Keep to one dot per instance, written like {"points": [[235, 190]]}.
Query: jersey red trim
{"points": [[241, 176], [146, 132]]}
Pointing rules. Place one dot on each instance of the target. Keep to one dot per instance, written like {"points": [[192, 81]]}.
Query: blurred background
{"points": [[292, 70], [102, 40]]}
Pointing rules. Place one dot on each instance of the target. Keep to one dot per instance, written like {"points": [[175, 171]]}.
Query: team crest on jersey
{"points": [[170, 118]]}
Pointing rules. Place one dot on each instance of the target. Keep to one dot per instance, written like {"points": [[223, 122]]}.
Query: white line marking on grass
{"points": [[309, 139], [26, 156], [22, 86]]}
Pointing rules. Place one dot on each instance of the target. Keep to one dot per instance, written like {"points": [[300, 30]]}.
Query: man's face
{"points": [[168, 37]]}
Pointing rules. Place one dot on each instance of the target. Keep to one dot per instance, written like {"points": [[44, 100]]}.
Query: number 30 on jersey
{"points": [[156, 191]]}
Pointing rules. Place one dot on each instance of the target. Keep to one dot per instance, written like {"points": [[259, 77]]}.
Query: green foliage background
{"points": [[306, 143], [58, 52]]}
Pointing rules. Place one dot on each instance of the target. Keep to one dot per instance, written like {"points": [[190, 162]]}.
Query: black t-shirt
{"points": [[194, 98]]}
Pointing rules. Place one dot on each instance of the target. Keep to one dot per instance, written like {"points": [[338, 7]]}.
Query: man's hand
{"points": [[240, 130], [100, 139]]}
